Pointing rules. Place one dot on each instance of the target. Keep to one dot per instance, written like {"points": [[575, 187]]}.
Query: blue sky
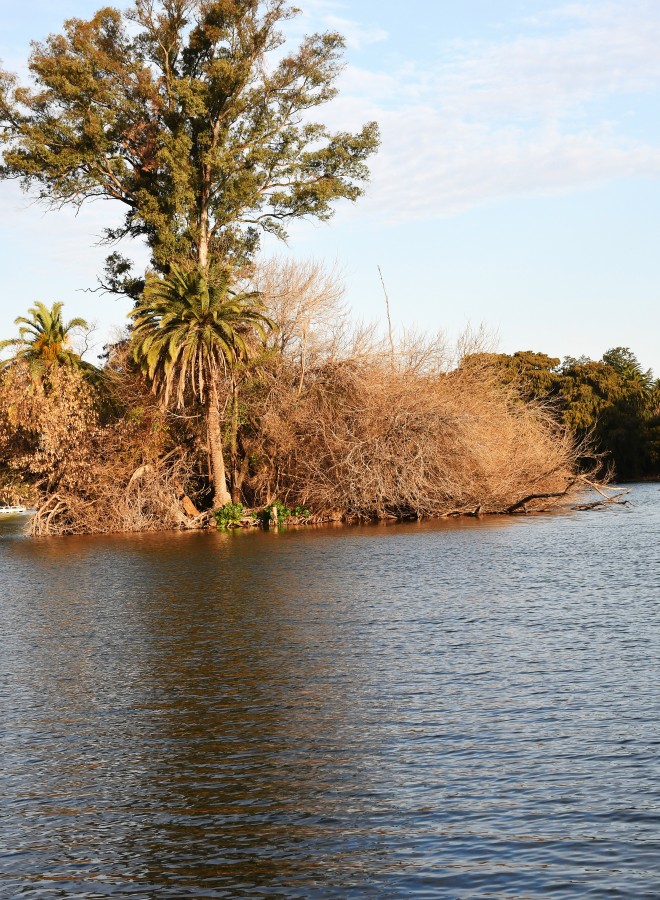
{"points": [[518, 183]]}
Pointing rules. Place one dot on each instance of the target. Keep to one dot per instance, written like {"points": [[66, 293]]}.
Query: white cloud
{"points": [[425, 171], [330, 15], [557, 74], [541, 113], [357, 35]]}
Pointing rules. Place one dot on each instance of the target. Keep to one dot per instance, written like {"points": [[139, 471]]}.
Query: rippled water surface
{"points": [[440, 710]]}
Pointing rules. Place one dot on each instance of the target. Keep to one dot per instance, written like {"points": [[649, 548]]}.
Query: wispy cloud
{"points": [[357, 35], [331, 15], [545, 112]]}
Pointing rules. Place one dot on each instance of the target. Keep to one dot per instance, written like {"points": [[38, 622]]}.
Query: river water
{"points": [[463, 709]]}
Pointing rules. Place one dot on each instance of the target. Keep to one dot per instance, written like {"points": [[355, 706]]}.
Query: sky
{"points": [[518, 182]]}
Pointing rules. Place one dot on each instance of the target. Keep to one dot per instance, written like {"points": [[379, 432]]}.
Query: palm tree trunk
{"points": [[220, 493], [233, 445]]}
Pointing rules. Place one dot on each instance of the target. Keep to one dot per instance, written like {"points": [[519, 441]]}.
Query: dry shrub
{"points": [[147, 500], [348, 425], [330, 416], [306, 299], [96, 462], [372, 441], [45, 423]]}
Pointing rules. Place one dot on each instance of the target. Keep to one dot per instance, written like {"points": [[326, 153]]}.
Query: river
{"points": [[463, 709]]}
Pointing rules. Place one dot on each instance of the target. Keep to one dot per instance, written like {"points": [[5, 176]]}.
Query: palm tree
{"points": [[186, 334], [624, 361], [44, 339]]}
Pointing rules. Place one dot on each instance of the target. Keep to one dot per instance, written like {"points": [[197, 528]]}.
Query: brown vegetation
{"points": [[372, 441], [89, 462], [325, 416]]}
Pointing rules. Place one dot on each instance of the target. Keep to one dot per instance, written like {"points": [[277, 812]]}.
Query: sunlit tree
{"points": [[192, 115], [188, 333], [44, 339]]}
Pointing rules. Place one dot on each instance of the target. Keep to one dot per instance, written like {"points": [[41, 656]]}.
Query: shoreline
{"points": [[340, 522]]}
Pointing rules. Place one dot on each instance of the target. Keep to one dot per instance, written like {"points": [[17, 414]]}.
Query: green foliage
{"points": [[613, 400], [283, 512], [266, 517], [44, 340], [189, 114], [228, 515], [186, 332], [231, 514], [626, 364], [119, 279], [535, 374]]}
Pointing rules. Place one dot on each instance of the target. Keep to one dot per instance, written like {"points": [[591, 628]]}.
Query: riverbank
{"points": [[583, 495], [348, 431]]}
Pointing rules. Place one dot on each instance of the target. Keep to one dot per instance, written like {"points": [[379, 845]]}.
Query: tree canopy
{"points": [[614, 401], [194, 116]]}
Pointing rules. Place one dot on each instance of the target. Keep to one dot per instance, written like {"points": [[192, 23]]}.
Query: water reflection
{"points": [[459, 710]]}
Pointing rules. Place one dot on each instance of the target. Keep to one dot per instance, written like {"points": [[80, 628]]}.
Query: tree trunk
{"points": [[203, 248], [233, 445], [203, 240], [220, 493]]}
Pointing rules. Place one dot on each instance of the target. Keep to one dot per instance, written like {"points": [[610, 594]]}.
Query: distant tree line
{"points": [[613, 401]]}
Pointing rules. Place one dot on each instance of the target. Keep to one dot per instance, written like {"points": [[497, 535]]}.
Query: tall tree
{"points": [[191, 114], [187, 333]]}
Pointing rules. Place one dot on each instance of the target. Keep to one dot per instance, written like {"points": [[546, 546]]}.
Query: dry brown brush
{"points": [[94, 461], [327, 416], [344, 423], [371, 441]]}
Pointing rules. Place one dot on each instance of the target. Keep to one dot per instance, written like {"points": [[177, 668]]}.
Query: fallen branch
{"points": [[599, 489], [555, 495]]}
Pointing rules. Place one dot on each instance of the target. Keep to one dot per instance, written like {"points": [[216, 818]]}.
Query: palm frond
{"points": [[185, 331]]}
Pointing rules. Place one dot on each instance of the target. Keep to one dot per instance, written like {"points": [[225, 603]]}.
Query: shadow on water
{"points": [[449, 709]]}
